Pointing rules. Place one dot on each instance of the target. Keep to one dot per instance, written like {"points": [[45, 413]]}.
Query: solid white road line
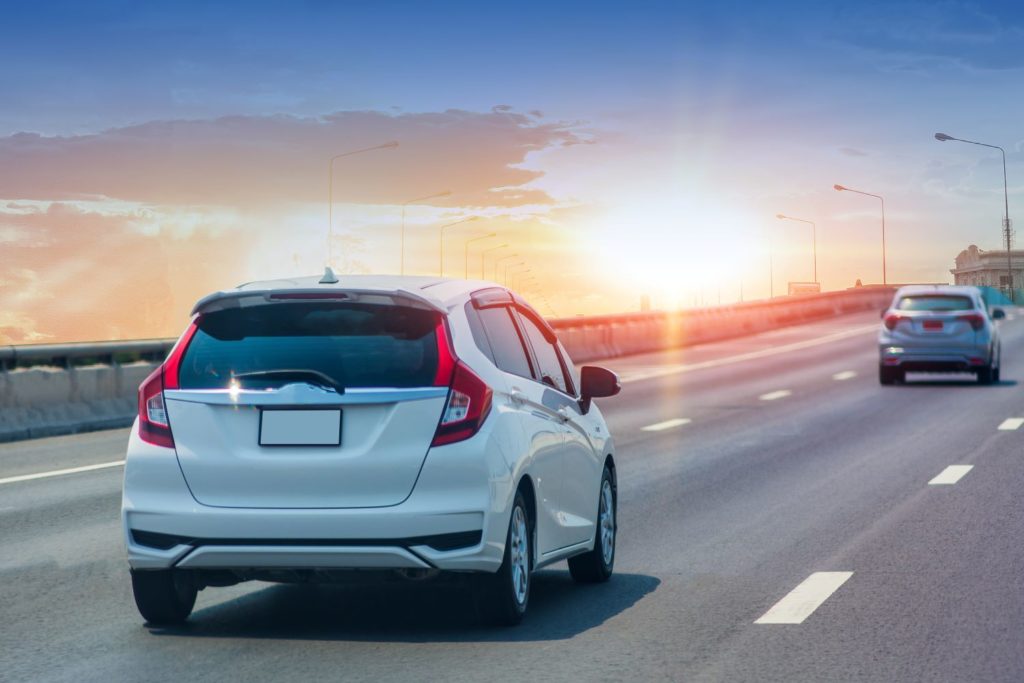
{"points": [[844, 375], [951, 475], [805, 598], [60, 473], [667, 424], [1011, 423], [752, 355], [775, 395]]}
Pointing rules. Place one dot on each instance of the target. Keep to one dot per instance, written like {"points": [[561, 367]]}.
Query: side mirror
{"points": [[596, 382], [998, 314]]}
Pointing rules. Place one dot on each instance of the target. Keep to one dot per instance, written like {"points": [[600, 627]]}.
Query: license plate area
{"points": [[933, 325], [300, 427]]}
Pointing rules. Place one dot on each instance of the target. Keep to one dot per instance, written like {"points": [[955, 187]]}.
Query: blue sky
{"points": [[656, 140]]}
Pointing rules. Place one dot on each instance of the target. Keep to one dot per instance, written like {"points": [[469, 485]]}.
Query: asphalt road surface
{"points": [[777, 523]]}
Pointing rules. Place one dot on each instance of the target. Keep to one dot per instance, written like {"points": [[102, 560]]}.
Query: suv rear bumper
{"points": [[945, 359]]}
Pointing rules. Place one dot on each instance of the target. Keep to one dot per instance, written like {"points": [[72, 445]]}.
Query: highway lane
{"points": [[721, 517]]}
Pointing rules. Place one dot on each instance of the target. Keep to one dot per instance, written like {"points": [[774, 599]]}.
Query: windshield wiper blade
{"points": [[314, 377]]}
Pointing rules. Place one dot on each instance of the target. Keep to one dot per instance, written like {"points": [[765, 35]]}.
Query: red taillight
{"points": [[892, 320], [469, 397], [469, 403], [154, 426], [445, 356], [976, 320]]}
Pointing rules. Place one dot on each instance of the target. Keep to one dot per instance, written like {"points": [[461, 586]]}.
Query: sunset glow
{"points": [[656, 171]]}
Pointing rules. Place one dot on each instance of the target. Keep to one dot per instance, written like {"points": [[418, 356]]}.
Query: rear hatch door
{"points": [[308, 404]]}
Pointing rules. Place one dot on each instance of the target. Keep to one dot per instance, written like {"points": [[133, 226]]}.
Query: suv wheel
{"points": [[163, 596], [888, 375], [597, 565], [503, 596], [985, 375]]}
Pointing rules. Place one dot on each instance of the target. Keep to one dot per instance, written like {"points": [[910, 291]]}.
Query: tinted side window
{"points": [[506, 347], [547, 357]]}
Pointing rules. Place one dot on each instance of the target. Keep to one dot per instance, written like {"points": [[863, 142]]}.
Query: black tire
{"points": [[597, 565], [887, 376], [985, 375], [995, 375], [501, 600], [164, 597]]}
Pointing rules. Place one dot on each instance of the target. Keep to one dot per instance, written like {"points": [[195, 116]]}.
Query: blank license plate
{"points": [[300, 428], [933, 324]]}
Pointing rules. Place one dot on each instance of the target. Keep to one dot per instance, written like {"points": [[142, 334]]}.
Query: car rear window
{"points": [[355, 345], [935, 302]]}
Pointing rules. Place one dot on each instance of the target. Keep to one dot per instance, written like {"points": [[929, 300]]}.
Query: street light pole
{"points": [[942, 137], [330, 191], [441, 240], [483, 257], [814, 238], [519, 274], [446, 193], [469, 242], [499, 260], [505, 275], [512, 265], [840, 188]]}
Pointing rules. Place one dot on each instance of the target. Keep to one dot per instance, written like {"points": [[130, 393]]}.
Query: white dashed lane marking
{"points": [[805, 598], [1011, 423], [60, 473], [844, 375], [951, 475], [667, 424], [775, 395]]}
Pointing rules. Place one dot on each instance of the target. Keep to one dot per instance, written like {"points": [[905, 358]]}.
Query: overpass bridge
{"points": [[783, 517]]}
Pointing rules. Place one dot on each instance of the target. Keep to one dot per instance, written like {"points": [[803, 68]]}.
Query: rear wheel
{"points": [[985, 375], [502, 597], [597, 565], [995, 375], [163, 596]]}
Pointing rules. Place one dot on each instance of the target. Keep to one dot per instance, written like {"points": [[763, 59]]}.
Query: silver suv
{"points": [[939, 328]]}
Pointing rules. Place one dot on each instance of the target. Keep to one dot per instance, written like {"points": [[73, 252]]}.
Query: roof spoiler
{"points": [[219, 301]]}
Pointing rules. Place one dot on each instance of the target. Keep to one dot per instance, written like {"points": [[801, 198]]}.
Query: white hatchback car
{"points": [[304, 429]]}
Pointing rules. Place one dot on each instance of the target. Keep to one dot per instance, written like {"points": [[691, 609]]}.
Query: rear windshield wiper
{"points": [[314, 377]]}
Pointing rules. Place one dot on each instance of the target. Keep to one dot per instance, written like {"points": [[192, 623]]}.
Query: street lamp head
{"points": [[838, 188], [942, 137], [780, 216], [390, 145]]}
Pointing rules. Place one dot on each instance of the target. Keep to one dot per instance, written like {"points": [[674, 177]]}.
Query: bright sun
{"points": [[675, 259]]}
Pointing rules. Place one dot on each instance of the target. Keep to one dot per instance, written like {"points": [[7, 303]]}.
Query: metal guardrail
{"points": [[83, 353]]}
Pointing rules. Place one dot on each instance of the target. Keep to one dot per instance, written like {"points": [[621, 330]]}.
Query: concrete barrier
{"points": [[593, 338], [44, 391], [48, 400]]}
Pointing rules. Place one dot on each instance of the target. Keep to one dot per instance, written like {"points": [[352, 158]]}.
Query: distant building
{"points": [[988, 268]]}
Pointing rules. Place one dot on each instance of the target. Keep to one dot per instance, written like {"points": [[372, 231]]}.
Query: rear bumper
{"points": [[934, 359], [457, 501]]}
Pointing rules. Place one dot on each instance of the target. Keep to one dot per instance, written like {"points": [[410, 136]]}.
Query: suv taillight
{"points": [[469, 397], [154, 426], [892, 320], [977, 320]]}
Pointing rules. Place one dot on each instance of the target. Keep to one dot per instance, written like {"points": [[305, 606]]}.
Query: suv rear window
{"points": [[935, 302], [354, 345]]}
